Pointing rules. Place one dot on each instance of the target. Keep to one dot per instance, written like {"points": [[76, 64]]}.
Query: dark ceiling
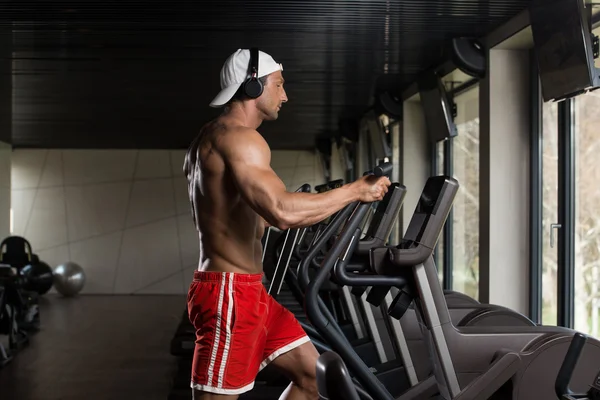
{"points": [[114, 74]]}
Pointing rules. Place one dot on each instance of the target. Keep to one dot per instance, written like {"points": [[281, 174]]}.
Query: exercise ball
{"points": [[69, 279], [37, 277]]}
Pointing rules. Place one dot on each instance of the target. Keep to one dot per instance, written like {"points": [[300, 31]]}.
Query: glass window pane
{"points": [[439, 153], [465, 228], [549, 213], [587, 213]]}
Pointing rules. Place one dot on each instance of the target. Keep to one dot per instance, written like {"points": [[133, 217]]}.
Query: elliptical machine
{"points": [[497, 362]]}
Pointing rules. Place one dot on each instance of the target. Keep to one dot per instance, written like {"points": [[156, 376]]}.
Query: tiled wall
{"points": [[123, 215], [5, 156]]}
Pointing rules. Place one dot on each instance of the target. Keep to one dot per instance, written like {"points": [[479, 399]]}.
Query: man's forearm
{"points": [[306, 209]]}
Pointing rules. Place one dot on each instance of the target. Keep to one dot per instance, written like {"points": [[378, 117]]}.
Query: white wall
{"points": [[123, 215], [336, 167], [5, 160], [504, 180]]}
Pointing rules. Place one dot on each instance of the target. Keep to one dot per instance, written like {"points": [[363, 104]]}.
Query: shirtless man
{"points": [[234, 195]]}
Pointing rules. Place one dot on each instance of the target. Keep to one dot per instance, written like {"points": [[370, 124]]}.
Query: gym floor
{"points": [[97, 347]]}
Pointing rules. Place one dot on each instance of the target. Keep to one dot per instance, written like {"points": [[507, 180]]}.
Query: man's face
{"points": [[273, 96]]}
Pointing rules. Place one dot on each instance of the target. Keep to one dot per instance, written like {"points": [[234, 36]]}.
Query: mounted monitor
{"points": [[437, 108], [564, 47]]}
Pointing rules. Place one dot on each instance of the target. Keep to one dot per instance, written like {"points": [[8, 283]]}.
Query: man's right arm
{"points": [[248, 158]]}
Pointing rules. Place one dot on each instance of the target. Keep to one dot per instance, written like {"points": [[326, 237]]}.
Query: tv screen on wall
{"points": [[563, 45]]}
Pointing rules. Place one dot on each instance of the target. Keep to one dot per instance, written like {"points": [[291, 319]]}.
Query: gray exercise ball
{"points": [[69, 279]]}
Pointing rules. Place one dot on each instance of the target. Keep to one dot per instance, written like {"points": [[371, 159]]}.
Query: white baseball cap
{"points": [[236, 70]]}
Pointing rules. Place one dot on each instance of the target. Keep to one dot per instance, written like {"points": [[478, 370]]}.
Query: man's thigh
{"points": [[287, 345], [298, 364]]}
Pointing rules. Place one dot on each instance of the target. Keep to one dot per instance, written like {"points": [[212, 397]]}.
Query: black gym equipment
{"points": [[498, 362], [561, 385], [333, 378], [13, 313], [389, 104], [469, 56], [16, 251], [36, 275], [23, 278], [413, 352], [389, 372]]}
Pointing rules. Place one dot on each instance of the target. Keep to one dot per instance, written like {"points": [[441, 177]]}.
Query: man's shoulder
{"points": [[240, 137]]}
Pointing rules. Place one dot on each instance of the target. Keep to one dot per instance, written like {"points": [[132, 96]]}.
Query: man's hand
{"points": [[370, 188]]}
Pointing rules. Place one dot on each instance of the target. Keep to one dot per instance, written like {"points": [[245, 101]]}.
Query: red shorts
{"points": [[240, 328]]}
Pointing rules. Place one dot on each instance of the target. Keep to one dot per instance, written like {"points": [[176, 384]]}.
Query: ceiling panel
{"points": [[141, 74]]}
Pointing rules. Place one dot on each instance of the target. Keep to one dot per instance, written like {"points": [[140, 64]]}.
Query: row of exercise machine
{"points": [[349, 287], [23, 279]]}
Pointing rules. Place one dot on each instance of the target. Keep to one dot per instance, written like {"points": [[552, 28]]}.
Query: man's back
{"points": [[230, 230]]}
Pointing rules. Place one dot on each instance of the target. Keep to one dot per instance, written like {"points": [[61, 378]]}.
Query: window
{"points": [[587, 213], [465, 213], [549, 213]]}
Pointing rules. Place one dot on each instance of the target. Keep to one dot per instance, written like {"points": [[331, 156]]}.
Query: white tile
{"points": [[318, 172], [189, 242], [177, 158], [303, 174], [5, 166], [188, 276], [97, 166], [182, 197], [47, 225], [150, 201], [52, 174], [170, 285], [22, 204], [306, 158], [284, 159], [285, 174], [96, 209], [153, 164], [148, 254], [54, 256], [27, 168], [98, 257], [5, 195]]}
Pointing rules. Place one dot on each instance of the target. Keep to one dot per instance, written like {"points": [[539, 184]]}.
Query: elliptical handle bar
{"points": [[383, 169], [561, 385]]}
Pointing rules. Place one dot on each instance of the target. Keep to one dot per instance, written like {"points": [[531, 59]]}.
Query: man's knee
{"points": [[306, 377], [308, 382]]}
